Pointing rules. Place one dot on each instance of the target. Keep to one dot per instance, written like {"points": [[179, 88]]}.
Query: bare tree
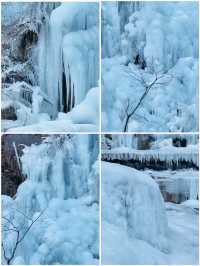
{"points": [[160, 78], [19, 232]]}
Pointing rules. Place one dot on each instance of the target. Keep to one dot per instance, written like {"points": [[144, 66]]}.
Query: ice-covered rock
{"points": [[132, 201]]}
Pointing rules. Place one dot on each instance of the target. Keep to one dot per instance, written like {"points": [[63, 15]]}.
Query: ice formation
{"points": [[138, 227], [141, 39], [126, 147], [175, 169], [131, 202], [170, 156], [62, 182], [69, 54]]}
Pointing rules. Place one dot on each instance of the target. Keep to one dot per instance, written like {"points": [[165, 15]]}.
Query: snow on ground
{"points": [[183, 235], [132, 204]]}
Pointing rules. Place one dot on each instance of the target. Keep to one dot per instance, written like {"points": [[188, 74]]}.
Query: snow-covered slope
{"points": [[62, 184], [139, 40]]}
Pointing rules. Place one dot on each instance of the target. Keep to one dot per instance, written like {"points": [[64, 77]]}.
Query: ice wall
{"points": [[69, 54]]}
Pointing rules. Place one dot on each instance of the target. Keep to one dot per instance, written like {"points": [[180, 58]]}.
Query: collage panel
{"points": [[149, 199], [50, 199], [149, 66], [50, 67]]}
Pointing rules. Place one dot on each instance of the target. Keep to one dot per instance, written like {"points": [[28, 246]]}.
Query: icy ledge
{"points": [[169, 155]]}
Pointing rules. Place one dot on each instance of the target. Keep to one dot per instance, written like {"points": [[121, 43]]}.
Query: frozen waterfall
{"points": [[68, 59], [63, 166], [62, 186]]}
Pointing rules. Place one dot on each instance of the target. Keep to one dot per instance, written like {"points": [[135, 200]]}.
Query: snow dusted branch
{"points": [[11, 227]]}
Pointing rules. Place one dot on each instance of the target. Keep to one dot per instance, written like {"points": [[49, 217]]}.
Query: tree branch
{"points": [[157, 81], [17, 231]]}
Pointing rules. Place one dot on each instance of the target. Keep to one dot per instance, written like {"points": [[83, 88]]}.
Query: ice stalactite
{"points": [[69, 54], [171, 157]]}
